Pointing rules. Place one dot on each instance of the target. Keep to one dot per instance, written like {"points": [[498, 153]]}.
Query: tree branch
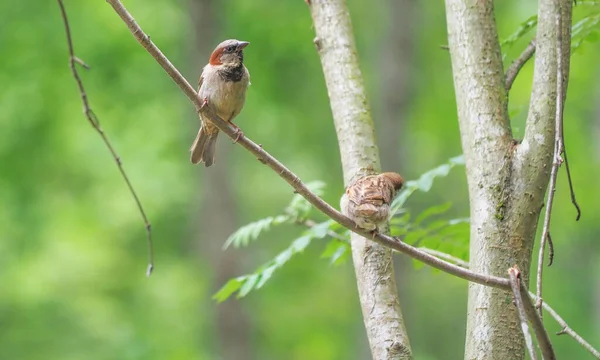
{"points": [[527, 311], [93, 119], [517, 65], [557, 160], [513, 274], [295, 182], [566, 329]]}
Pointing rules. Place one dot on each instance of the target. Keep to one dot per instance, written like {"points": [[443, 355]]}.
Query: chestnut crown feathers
{"points": [[395, 179], [229, 52]]}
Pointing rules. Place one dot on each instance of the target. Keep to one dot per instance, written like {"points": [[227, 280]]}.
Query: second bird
{"points": [[222, 86]]}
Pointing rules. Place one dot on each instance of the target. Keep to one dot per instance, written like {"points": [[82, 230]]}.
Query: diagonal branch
{"points": [[267, 159], [565, 328], [527, 311], [515, 283], [517, 65], [91, 116]]}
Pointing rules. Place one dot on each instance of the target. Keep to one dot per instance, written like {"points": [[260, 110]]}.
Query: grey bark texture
{"points": [[507, 180], [360, 156]]}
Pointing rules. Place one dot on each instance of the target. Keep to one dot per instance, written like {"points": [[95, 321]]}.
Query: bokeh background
{"points": [[72, 242]]}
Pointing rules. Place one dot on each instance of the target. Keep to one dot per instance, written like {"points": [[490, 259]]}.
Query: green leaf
{"points": [[424, 182], [521, 31], [414, 236], [248, 285], [432, 211], [584, 30], [245, 234], [228, 289], [335, 251], [299, 207], [401, 220], [283, 257], [265, 276], [341, 254], [300, 243]]}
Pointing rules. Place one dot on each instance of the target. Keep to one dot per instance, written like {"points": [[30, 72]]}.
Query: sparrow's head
{"points": [[229, 53], [395, 179]]}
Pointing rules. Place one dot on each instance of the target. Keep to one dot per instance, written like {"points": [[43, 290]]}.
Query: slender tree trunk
{"points": [[360, 156], [507, 180], [216, 217]]}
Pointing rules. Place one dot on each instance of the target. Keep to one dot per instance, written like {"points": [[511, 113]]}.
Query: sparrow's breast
{"points": [[227, 97]]}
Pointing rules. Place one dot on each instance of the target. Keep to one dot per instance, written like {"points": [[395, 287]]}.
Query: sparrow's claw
{"points": [[239, 135], [374, 233], [238, 132], [205, 102]]}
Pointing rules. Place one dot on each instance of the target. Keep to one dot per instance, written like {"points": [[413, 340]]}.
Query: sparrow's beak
{"points": [[242, 44]]}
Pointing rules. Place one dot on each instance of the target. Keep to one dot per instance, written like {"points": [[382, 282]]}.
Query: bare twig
{"points": [[93, 119], [513, 274], [515, 66], [556, 161], [444, 256], [267, 159], [571, 189], [565, 327], [541, 334], [567, 330]]}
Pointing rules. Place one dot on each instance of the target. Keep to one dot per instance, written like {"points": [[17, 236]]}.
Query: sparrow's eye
{"points": [[230, 48]]}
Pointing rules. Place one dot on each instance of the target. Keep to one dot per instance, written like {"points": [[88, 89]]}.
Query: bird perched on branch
{"points": [[222, 86], [367, 201]]}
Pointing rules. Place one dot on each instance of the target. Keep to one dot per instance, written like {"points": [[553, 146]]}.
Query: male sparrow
{"points": [[367, 201], [222, 86]]}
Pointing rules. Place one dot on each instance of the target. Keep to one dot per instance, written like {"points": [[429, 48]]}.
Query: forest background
{"points": [[72, 244]]}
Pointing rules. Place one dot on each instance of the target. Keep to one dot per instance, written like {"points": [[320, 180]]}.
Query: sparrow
{"points": [[222, 86], [367, 201]]}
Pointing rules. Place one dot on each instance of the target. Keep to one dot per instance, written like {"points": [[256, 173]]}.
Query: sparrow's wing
{"points": [[372, 190]]}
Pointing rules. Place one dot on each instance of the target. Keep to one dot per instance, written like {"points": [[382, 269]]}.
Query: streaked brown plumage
{"points": [[223, 86], [367, 201]]}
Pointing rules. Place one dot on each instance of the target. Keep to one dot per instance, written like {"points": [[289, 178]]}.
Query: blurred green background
{"points": [[72, 243]]}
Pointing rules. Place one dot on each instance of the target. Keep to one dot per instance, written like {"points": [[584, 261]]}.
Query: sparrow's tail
{"points": [[203, 149]]}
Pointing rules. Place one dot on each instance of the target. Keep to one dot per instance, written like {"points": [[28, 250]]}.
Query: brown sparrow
{"points": [[367, 201], [222, 86]]}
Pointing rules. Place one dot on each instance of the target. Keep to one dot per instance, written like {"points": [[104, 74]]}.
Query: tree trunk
{"points": [[216, 216], [507, 181], [360, 156]]}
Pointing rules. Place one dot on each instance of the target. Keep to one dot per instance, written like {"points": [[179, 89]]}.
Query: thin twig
{"points": [[566, 329], [556, 161], [267, 159], [571, 189], [517, 65], [444, 256], [513, 274], [93, 119], [541, 334]]}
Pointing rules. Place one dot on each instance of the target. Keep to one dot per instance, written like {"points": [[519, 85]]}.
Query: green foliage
{"points": [[72, 249], [246, 283], [297, 210], [523, 29], [421, 231], [585, 29]]}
